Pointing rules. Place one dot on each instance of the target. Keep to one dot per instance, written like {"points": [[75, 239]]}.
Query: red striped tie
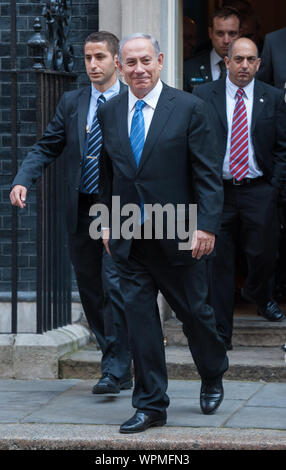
{"points": [[238, 162]]}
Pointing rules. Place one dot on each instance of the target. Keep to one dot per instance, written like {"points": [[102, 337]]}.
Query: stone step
{"points": [[246, 363], [249, 330]]}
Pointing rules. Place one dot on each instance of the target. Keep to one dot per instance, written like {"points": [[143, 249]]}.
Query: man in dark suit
{"points": [[69, 135], [273, 71], [208, 65], [249, 22], [273, 63], [249, 119], [176, 167]]}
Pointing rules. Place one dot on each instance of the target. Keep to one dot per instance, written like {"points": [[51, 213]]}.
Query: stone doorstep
{"points": [[247, 331], [104, 438], [31, 356], [246, 363]]}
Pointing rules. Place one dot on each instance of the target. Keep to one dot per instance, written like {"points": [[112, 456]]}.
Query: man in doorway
{"points": [[209, 65], [249, 22], [249, 119], [158, 148], [75, 136]]}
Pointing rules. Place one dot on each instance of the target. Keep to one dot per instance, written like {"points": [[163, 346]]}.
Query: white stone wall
{"points": [[159, 18]]}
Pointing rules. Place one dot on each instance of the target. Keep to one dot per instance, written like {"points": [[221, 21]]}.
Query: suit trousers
{"points": [[250, 222], [99, 290], [185, 289]]}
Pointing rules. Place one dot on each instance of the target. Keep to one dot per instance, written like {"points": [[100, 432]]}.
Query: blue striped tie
{"points": [[90, 170], [137, 132], [137, 138]]}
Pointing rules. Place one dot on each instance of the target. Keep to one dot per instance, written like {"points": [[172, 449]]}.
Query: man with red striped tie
{"points": [[249, 118]]}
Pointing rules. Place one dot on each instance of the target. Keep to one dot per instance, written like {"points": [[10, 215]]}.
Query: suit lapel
{"points": [[161, 115], [219, 101], [123, 87], [259, 101], [83, 107]]}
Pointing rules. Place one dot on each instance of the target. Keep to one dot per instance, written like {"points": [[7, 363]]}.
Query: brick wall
{"points": [[84, 21]]}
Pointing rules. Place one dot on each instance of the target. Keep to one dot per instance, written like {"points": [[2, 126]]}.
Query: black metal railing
{"points": [[53, 261], [14, 165]]}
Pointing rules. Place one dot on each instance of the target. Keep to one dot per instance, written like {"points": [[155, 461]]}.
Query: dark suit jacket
{"points": [[65, 135], [273, 59], [197, 70], [268, 127], [178, 164]]}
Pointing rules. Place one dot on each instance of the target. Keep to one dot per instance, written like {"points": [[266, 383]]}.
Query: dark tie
{"points": [[222, 69], [90, 170], [238, 161]]}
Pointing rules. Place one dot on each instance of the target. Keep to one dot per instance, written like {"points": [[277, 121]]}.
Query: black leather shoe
{"points": [[211, 397], [142, 421], [107, 384], [271, 311]]}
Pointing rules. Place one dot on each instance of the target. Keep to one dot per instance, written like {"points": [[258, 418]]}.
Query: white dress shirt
{"points": [[231, 89], [215, 58], [95, 94], [151, 101]]}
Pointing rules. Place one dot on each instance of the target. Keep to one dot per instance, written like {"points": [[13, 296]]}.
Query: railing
{"points": [[53, 262]]}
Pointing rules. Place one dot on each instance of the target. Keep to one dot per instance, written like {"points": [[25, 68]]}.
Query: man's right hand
{"points": [[18, 196]]}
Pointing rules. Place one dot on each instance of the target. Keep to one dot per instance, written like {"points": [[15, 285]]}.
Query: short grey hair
{"points": [[123, 41]]}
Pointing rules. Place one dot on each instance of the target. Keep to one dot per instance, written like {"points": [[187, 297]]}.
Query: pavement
{"points": [[63, 414]]}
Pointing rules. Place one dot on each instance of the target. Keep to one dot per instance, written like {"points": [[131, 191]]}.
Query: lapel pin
{"points": [[261, 100]]}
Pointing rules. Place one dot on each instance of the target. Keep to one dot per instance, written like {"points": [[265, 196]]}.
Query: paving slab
{"points": [[14, 406], [271, 395], [64, 414], [79, 406], [37, 385], [259, 417], [19, 398]]}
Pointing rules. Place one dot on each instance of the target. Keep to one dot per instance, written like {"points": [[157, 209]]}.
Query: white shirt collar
{"points": [[231, 88], [215, 57], [113, 90], [151, 98]]}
